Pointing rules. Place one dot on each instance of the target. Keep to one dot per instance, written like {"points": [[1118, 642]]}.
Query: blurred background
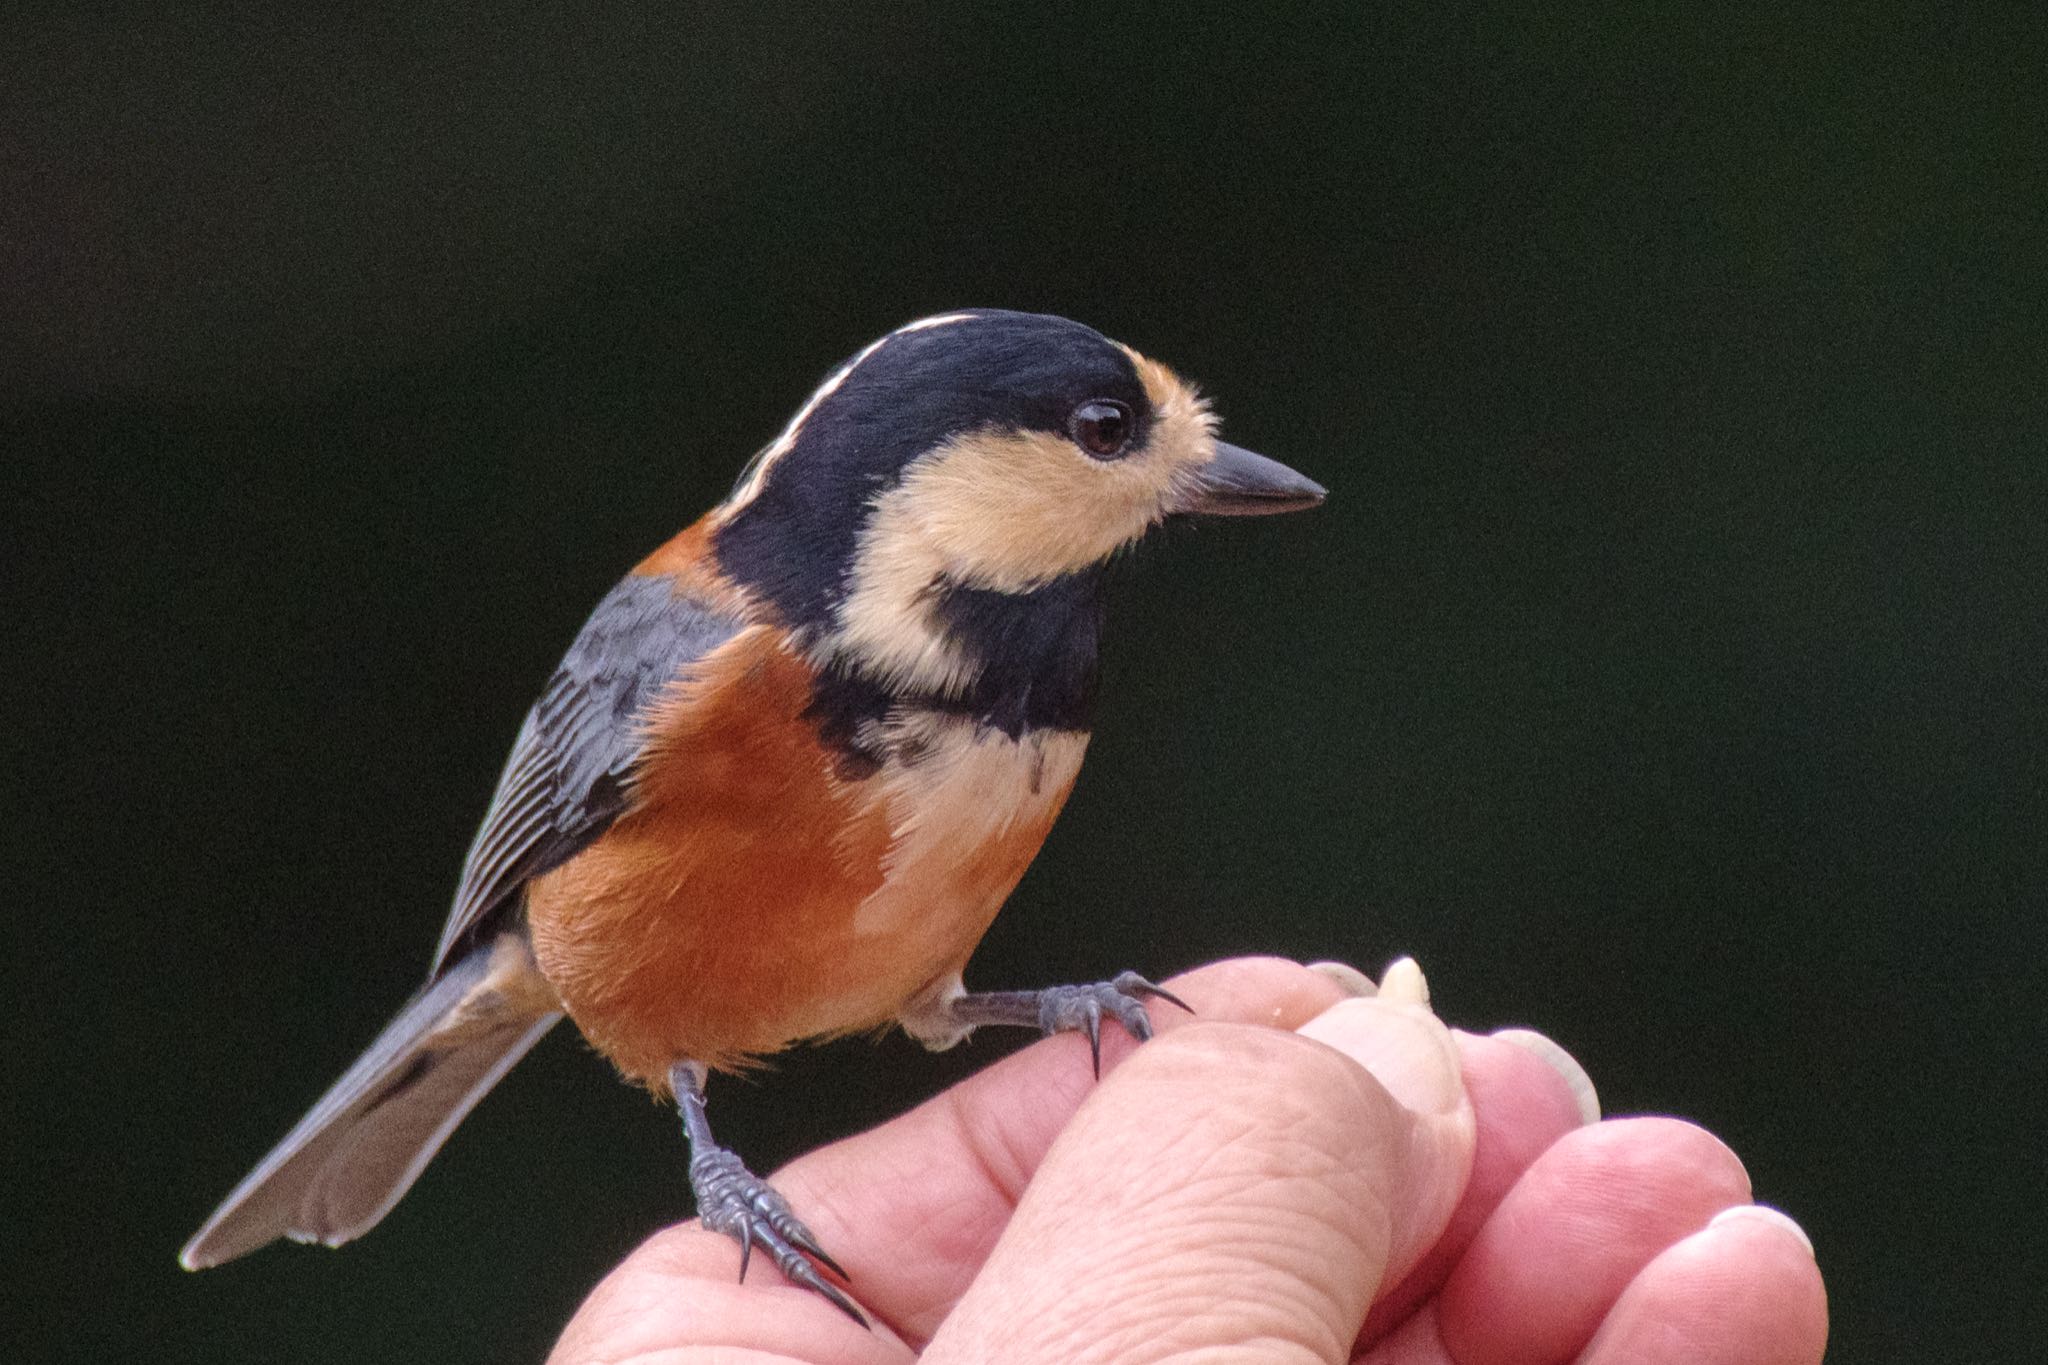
{"points": [[1665, 671]]}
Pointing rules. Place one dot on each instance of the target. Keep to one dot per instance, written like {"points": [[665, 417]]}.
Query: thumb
{"points": [[1230, 1187]]}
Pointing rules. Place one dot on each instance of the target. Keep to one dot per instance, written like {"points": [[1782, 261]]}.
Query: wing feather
{"points": [[569, 774]]}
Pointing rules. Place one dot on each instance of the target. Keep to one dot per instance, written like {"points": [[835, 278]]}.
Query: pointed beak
{"points": [[1237, 483]]}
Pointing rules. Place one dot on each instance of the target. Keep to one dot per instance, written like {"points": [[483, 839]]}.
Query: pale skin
{"points": [[1294, 1174]]}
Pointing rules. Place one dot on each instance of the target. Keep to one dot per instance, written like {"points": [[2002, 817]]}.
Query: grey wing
{"points": [[570, 770]]}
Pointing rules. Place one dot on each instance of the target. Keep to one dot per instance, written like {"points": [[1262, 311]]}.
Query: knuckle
{"points": [[1294, 1079]]}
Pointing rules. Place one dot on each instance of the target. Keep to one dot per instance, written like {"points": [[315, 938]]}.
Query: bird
{"points": [[792, 766]]}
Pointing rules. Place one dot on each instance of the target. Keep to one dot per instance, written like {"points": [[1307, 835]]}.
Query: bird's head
{"points": [[983, 452]]}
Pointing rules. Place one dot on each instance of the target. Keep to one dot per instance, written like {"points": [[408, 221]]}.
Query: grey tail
{"points": [[361, 1147]]}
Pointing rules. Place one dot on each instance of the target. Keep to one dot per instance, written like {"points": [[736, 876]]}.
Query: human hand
{"points": [[1350, 1182]]}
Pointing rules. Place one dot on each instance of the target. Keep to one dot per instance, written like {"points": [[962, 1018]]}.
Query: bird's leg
{"points": [[733, 1200], [1061, 1009]]}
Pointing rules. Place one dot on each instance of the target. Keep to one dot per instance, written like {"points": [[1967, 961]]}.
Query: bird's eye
{"points": [[1102, 427]]}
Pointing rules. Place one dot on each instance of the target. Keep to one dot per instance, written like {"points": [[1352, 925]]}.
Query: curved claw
{"points": [[733, 1200], [783, 1250], [1130, 983], [1081, 1008], [802, 1273], [800, 1237], [1091, 1024]]}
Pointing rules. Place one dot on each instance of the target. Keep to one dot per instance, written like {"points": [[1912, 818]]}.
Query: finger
{"points": [[1414, 1340], [1525, 1097], [677, 1296], [1410, 1051], [1272, 991], [1229, 1190], [1744, 1291], [1581, 1223], [912, 1208]]}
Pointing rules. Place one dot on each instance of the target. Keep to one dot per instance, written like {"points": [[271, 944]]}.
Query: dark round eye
{"points": [[1102, 427]]}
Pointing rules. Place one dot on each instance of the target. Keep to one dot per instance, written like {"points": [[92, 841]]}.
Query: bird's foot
{"points": [[1064, 1009], [733, 1200]]}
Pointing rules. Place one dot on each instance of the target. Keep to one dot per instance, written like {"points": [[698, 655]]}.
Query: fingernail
{"points": [[1411, 1054], [1763, 1213], [1563, 1063], [1403, 983], [1349, 977]]}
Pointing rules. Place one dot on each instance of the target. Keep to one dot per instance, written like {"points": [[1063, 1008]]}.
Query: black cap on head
{"points": [[792, 535]]}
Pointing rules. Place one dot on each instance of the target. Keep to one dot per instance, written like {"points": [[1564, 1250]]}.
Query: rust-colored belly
{"points": [[753, 897]]}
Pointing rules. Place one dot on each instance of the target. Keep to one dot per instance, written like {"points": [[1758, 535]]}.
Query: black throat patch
{"points": [[1038, 651]]}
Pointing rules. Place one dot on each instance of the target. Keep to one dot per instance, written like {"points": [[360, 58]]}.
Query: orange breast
{"points": [[752, 897]]}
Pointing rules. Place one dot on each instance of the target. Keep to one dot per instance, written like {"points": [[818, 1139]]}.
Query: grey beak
{"points": [[1237, 483]]}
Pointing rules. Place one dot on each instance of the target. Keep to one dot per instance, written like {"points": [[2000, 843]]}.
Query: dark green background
{"points": [[1664, 672]]}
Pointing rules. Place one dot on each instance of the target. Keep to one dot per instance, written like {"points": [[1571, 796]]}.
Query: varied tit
{"points": [[793, 765]]}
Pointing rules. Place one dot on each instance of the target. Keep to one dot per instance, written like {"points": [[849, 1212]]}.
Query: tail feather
{"points": [[367, 1139]]}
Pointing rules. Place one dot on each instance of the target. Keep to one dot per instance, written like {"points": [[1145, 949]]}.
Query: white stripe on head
{"points": [[926, 324], [756, 472]]}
